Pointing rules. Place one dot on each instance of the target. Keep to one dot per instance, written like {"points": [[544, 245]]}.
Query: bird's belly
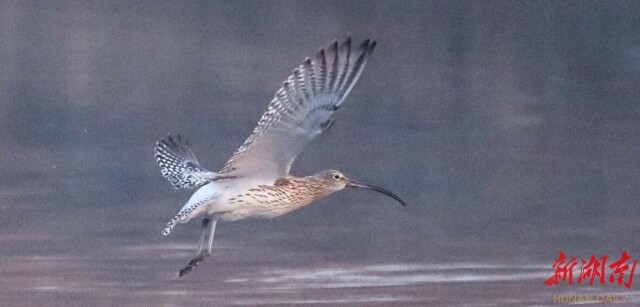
{"points": [[241, 214], [239, 208]]}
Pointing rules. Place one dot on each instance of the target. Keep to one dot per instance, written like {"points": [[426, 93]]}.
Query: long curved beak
{"points": [[355, 184]]}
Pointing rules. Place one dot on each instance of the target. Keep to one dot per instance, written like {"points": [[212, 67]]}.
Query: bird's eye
{"points": [[336, 177]]}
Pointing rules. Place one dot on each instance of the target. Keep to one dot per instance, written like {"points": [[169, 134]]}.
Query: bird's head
{"points": [[336, 181]]}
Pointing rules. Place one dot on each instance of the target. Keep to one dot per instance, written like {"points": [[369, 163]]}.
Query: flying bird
{"points": [[255, 182]]}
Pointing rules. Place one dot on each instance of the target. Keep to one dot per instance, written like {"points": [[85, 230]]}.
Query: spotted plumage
{"points": [[286, 195], [255, 182]]}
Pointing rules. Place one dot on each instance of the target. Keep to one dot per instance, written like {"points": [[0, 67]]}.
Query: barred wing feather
{"points": [[179, 166], [301, 109]]}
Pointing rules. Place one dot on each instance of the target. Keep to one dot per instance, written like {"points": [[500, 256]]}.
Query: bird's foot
{"points": [[192, 263]]}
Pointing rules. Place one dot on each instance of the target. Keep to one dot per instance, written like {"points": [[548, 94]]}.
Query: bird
{"points": [[256, 181]]}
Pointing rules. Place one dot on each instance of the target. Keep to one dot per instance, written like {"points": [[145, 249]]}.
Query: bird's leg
{"points": [[212, 232], [205, 223], [201, 252]]}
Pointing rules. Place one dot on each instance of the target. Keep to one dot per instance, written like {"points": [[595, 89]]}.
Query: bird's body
{"points": [[255, 182], [237, 200], [273, 200]]}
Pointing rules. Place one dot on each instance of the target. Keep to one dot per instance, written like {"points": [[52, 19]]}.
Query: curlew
{"points": [[255, 182]]}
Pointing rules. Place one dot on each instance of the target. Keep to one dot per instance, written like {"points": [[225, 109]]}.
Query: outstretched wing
{"points": [[301, 109], [178, 164]]}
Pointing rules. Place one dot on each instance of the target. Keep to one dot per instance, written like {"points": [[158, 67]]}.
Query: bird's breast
{"points": [[268, 201]]}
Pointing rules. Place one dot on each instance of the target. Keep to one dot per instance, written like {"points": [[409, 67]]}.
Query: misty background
{"points": [[511, 129]]}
